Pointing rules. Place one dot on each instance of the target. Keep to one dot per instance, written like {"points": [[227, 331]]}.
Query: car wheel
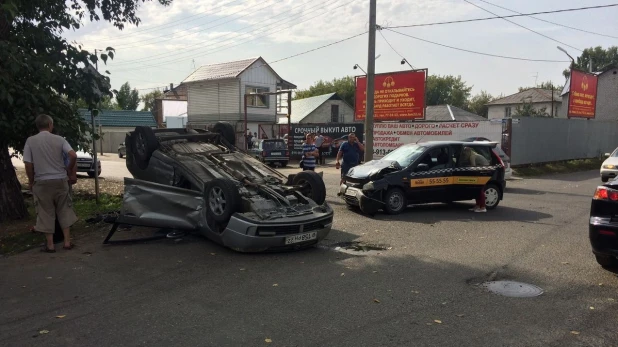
{"points": [[395, 201], [91, 174], [312, 186], [604, 179], [492, 196], [284, 163], [222, 199], [607, 261], [144, 144], [226, 130], [120, 155]]}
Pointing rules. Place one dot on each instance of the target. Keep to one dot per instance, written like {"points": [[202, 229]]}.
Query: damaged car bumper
{"points": [[357, 197]]}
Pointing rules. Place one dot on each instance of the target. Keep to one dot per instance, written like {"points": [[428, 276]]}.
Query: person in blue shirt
{"points": [[310, 153], [350, 152]]}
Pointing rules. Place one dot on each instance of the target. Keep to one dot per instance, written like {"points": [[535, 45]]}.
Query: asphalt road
{"points": [[421, 291]]}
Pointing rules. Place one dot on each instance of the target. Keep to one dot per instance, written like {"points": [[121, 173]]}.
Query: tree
{"points": [[344, 87], [600, 58], [449, 90], [545, 85], [41, 72], [126, 98], [106, 103], [149, 100], [527, 110], [478, 103]]}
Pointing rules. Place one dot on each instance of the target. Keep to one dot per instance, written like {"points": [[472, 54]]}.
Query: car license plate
{"points": [[301, 238], [350, 192], [275, 153], [83, 165]]}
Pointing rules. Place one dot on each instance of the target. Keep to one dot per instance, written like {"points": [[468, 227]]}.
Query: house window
{"points": [[257, 100], [507, 112], [334, 113]]}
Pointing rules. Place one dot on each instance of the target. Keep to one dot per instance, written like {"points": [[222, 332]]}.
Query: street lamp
{"points": [[405, 61], [568, 55], [356, 66]]}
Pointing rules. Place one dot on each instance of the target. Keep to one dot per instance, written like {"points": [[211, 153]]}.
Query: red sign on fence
{"points": [[582, 95], [398, 96]]}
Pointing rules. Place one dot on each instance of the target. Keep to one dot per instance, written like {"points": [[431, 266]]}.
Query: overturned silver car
{"points": [[197, 180]]}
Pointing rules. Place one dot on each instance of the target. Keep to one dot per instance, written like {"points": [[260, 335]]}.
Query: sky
{"points": [[172, 40]]}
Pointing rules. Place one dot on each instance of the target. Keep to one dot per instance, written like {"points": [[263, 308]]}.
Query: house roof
{"points": [[113, 118], [301, 108], [533, 95], [444, 113], [176, 93]]}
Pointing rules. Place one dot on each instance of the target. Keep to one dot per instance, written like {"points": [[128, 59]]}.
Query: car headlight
{"points": [[369, 186], [609, 166]]}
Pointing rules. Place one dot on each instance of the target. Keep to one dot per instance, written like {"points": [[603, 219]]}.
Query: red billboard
{"points": [[398, 96], [582, 95]]}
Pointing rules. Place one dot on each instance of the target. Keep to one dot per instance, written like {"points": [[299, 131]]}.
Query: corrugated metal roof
{"points": [[301, 108], [112, 118], [532, 95], [220, 71]]}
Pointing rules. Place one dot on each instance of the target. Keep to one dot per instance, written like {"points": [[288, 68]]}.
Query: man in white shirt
{"points": [[48, 180]]}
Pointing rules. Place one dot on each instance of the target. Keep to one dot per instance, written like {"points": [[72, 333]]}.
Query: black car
{"points": [[425, 173], [603, 228], [272, 152]]}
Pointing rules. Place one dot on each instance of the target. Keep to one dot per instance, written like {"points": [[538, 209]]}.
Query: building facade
{"points": [[540, 99]]}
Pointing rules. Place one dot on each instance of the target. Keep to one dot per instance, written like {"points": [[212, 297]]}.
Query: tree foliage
{"points": [[106, 103], [447, 90], [545, 85], [600, 59], [344, 87], [478, 104], [149, 99], [526, 109], [127, 98], [41, 72]]}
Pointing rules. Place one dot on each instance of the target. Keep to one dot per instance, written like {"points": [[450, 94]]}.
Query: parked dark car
{"points": [[424, 173], [197, 180], [603, 227], [272, 152]]}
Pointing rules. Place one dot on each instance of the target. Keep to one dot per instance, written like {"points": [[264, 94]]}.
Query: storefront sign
{"points": [[334, 134], [398, 96], [390, 136], [582, 95]]}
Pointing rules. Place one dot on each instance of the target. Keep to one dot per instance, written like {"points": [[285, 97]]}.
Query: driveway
{"points": [[420, 289]]}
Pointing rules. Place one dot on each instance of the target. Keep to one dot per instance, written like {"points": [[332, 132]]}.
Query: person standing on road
{"points": [[350, 153], [310, 153], [319, 141], [48, 180], [249, 139], [470, 158]]}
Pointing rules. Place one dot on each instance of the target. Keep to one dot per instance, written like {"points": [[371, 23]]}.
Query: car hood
{"points": [[611, 161], [372, 168]]}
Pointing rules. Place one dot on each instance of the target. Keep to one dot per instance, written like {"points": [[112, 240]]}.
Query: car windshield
{"points": [[615, 153], [270, 145], [405, 154]]}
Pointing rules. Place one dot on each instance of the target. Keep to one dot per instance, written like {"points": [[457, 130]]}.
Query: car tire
{"points": [[604, 179], [492, 196], [91, 174], [144, 144], [284, 163], [607, 262], [314, 187], [222, 199], [395, 201], [120, 155], [226, 130]]}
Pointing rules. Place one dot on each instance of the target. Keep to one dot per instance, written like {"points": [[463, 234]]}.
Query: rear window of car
{"points": [[270, 145]]}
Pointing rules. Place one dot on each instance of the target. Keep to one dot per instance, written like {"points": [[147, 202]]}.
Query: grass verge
{"points": [[559, 167]]}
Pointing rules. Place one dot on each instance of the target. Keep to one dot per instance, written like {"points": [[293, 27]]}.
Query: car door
{"points": [[468, 179], [431, 175]]}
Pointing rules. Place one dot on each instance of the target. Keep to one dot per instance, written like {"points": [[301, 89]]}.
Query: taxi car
{"points": [[425, 173], [603, 227]]}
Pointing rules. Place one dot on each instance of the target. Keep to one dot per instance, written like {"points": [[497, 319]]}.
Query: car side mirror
{"points": [[607, 155], [422, 167]]}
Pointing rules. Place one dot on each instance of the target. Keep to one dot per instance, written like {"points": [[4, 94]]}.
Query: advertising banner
{"points": [[399, 96], [334, 134], [582, 95], [389, 136]]}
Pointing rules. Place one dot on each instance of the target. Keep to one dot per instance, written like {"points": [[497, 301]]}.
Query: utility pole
{"points": [[94, 142], [371, 69], [590, 65]]}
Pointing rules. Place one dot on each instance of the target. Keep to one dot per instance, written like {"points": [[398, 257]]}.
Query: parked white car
{"points": [[85, 163], [609, 168]]}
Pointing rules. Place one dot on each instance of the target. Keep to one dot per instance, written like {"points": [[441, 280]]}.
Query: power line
{"points": [[238, 32], [500, 17], [480, 53], [265, 32], [550, 22], [391, 46], [522, 26]]}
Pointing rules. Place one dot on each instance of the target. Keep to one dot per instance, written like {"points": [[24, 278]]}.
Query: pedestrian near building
{"points": [[349, 155], [48, 180], [310, 153], [249, 138], [319, 141], [470, 158]]}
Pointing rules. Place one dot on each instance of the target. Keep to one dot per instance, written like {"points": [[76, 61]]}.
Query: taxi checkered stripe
{"points": [[459, 169]]}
